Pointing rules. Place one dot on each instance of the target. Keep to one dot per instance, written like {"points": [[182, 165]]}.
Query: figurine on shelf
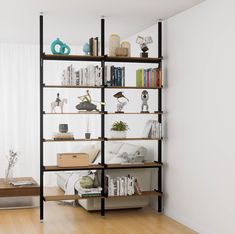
{"points": [[58, 103], [121, 103], [63, 48], [143, 42], [86, 49], [145, 98], [86, 103]]}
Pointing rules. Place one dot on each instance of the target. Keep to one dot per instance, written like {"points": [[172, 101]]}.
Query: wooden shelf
{"points": [[57, 194], [120, 59], [100, 58], [103, 113], [72, 57], [130, 165], [51, 140], [106, 166], [131, 87], [135, 113], [90, 167], [72, 87], [76, 113], [144, 193], [96, 87], [134, 139]]}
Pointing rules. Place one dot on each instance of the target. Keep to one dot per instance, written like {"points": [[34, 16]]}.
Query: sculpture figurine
{"points": [[143, 42], [145, 98], [121, 103], [86, 103], [58, 103], [63, 48]]}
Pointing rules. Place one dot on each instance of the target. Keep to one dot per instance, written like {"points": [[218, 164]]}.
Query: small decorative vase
{"points": [[114, 43], [9, 173], [118, 134], [63, 128], [87, 135], [126, 44], [86, 49], [58, 47]]}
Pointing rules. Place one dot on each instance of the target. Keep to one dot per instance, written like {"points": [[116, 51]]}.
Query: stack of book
{"points": [[91, 192], [88, 76], [149, 78], [152, 129], [68, 136], [115, 76], [94, 46], [121, 186]]}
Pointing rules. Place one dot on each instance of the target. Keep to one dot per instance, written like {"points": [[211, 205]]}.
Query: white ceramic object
{"points": [[126, 44], [114, 43], [118, 134]]}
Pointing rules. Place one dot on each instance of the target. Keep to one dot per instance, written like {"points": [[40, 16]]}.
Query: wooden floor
{"points": [[60, 219]]}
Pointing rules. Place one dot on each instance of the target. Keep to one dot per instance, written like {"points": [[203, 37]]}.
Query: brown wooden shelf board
{"points": [[135, 113], [133, 139], [57, 194], [144, 193], [132, 59], [51, 140], [101, 58], [72, 86], [131, 87], [129, 165], [72, 57], [76, 113], [56, 168]]}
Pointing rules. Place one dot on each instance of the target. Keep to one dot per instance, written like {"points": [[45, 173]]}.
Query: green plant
{"points": [[119, 126]]}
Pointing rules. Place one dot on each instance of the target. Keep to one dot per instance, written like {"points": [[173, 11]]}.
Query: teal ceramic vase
{"points": [[86, 49], [58, 47]]}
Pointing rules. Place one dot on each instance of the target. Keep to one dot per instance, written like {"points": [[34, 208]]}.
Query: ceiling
{"points": [[75, 21]]}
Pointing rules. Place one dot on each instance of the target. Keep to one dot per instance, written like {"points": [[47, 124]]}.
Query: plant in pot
{"points": [[119, 129]]}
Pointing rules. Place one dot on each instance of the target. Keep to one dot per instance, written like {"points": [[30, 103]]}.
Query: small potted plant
{"points": [[119, 129]]}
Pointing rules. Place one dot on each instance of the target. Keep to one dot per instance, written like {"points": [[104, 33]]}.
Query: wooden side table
{"points": [[8, 190], [18, 196]]}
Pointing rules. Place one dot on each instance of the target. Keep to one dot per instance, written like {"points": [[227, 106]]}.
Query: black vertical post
{"points": [[41, 118], [160, 117], [102, 115]]}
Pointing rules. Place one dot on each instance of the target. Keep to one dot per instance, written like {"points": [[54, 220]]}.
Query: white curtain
{"points": [[19, 107]]}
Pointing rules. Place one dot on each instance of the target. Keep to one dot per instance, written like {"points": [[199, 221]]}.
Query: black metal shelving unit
{"points": [[102, 166]]}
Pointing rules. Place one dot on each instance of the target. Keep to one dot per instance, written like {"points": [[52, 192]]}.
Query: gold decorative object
{"points": [[121, 52]]}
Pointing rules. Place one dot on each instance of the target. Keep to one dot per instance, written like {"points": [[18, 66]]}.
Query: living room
{"points": [[110, 115]]}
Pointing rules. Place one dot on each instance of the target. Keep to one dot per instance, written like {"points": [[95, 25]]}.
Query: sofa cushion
{"points": [[133, 149]]}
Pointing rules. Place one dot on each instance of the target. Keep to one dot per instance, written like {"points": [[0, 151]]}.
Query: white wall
{"points": [[200, 157]]}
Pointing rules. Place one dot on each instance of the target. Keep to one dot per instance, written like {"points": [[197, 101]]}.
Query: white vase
{"points": [[118, 134], [114, 43]]}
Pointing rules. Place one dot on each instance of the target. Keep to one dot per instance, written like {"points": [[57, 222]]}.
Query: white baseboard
{"points": [[196, 227]]}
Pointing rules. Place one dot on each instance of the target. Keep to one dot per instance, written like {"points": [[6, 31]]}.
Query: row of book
{"points": [[94, 46], [149, 78], [114, 76], [89, 192], [88, 76], [92, 76], [122, 186], [152, 129]]}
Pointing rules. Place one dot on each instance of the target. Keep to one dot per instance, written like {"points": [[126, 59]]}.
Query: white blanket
{"points": [[73, 179]]}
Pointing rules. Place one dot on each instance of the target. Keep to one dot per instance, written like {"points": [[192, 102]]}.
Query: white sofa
{"points": [[113, 151]]}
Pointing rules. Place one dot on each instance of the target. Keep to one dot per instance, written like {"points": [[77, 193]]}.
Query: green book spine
{"points": [[138, 78]]}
